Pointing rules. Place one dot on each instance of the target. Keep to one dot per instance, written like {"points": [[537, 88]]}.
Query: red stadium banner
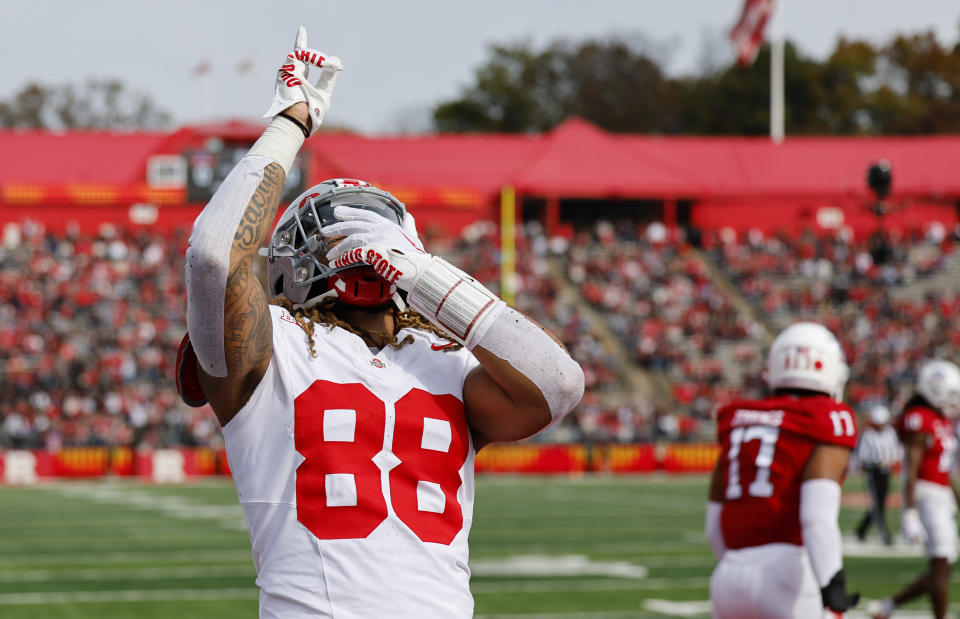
{"points": [[89, 195], [531, 459], [630, 459], [690, 458], [74, 462], [176, 465], [23, 467], [223, 467]]}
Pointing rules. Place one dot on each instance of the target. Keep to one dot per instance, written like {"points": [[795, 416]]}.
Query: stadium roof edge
{"points": [[576, 159]]}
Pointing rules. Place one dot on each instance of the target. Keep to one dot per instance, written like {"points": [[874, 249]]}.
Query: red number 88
{"points": [[425, 469]]}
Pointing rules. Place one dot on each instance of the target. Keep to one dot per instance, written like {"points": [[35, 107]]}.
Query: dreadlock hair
{"points": [[324, 313]]}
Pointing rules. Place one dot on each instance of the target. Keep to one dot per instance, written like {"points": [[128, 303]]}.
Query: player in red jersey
{"points": [[775, 492], [926, 429]]}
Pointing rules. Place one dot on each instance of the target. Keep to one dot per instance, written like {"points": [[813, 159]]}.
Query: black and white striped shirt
{"points": [[878, 447]]}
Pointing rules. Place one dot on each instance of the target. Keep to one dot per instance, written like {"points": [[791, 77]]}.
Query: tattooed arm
{"points": [[247, 327], [247, 330]]}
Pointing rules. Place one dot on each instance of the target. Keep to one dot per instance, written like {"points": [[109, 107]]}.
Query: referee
{"points": [[876, 453]]}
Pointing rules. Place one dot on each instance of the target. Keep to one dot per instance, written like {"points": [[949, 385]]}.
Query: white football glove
{"points": [[393, 251], [911, 527], [292, 85]]}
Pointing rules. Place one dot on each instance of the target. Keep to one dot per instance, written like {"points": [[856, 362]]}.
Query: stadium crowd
{"points": [[659, 298], [89, 323], [851, 285], [87, 326]]}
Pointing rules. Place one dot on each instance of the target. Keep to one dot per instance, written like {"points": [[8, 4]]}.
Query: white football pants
{"points": [[938, 513], [773, 581]]}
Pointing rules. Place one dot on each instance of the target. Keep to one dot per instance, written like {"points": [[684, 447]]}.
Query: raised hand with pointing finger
{"points": [[292, 85]]}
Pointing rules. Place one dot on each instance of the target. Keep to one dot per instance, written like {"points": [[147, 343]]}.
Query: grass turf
{"points": [[592, 546]]}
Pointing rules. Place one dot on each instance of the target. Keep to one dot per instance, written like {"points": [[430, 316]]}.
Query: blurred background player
{"points": [[351, 424], [878, 450], [775, 492], [927, 431]]}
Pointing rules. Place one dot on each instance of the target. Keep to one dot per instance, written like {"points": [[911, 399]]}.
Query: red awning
{"points": [[76, 157], [579, 160]]}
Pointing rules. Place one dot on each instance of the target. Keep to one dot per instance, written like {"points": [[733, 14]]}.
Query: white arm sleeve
{"points": [[819, 509], [474, 316], [712, 529], [208, 257], [511, 336]]}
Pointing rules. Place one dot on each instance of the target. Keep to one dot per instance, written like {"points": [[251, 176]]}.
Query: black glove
{"points": [[835, 596]]}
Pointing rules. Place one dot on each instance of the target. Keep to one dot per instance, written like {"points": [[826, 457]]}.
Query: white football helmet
{"points": [[938, 382], [807, 356], [879, 414], [296, 268]]}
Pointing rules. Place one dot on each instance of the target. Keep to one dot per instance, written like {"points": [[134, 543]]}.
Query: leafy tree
{"points": [[96, 104], [910, 85], [522, 90], [920, 87]]}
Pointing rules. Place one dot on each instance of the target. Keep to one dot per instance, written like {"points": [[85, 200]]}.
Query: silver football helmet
{"points": [[938, 382], [296, 267]]}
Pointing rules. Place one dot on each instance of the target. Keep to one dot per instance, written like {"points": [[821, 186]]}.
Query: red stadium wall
{"points": [[176, 465], [431, 218], [89, 218], [794, 215]]}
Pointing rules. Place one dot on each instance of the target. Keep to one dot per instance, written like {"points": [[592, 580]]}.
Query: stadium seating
{"points": [[89, 323], [89, 329], [891, 299]]}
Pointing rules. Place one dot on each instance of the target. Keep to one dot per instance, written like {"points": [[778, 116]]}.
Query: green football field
{"points": [[541, 547]]}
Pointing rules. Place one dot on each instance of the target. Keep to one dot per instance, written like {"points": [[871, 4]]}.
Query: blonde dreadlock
{"points": [[324, 313]]}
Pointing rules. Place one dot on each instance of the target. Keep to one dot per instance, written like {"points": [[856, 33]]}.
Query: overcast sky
{"points": [[401, 57]]}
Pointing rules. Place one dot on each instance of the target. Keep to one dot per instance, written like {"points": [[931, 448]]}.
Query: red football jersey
{"points": [[765, 445], [940, 454]]}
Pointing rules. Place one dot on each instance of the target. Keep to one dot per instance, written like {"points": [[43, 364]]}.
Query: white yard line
{"points": [[227, 516], [549, 586], [669, 608], [603, 614], [852, 547], [126, 573], [65, 557], [679, 561], [679, 609], [132, 595], [555, 565]]}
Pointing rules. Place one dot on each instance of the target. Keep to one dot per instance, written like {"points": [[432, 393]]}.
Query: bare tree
{"points": [[95, 104]]}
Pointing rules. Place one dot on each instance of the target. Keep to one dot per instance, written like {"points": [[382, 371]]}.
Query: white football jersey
{"points": [[355, 474]]}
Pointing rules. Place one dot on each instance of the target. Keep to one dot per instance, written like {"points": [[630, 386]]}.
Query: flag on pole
{"points": [[747, 34]]}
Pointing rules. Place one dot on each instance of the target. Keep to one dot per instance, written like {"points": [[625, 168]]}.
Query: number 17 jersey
{"points": [[354, 471], [765, 447]]}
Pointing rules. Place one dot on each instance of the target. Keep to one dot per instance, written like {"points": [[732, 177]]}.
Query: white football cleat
{"points": [[880, 609]]}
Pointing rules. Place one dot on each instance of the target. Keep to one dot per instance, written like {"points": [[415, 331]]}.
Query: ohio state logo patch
{"points": [[377, 363], [348, 182]]}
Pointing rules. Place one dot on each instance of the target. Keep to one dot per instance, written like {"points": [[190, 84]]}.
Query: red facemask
{"points": [[362, 286]]}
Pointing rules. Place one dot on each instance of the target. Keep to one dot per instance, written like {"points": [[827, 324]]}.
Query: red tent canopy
{"points": [[101, 157], [579, 160], [456, 179], [473, 162], [805, 166]]}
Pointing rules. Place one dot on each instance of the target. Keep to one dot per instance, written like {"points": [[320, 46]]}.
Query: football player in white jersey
{"points": [[928, 432], [351, 422]]}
